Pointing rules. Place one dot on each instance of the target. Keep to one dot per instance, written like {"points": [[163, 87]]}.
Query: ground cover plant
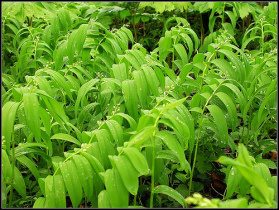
{"points": [[143, 104]]}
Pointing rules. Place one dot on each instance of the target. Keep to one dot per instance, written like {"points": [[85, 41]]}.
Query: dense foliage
{"points": [[145, 104]]}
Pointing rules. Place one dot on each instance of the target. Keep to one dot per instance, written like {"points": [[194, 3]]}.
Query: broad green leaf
{"points": [[49, 191], [142, 88], [59, 191], [106, 146], [131, 121], [238, 93], [45, 117], [225, 67], [95, 163], [174, 146], [151, 79], [230, 107], [132, 60], [130, 98], [44, 84], [103, 200], [58, 55], [80, 37], [29, 164], [182, 53], [39, 203], [86, 174], [233, 181], [137, 159], [6, 165], [251, 176], [272, 96], [116, 131], [19, 184], [66, 137], [165, 44], [235, 203], [127, 172], [31, 109], [119, 71], [220, 121], [9, 112], [61, 82], [117, 193], [71, 180], [82, 92], [236, 61], [174, 104], [141, 136], [170, 192]]}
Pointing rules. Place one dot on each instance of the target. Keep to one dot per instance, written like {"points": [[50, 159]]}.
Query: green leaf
{"points": [[236, 203], [170, 192], [29, 164], [234, 178], [71, 180], [116, 132], [58, 55], [175, 147], [80, 37], [103, 200], [131, 121], [137, 159], [31, 108], [230, 107], [127, 172], [61, 82], [9, 112], [95, 163], [251, 176], [236, 61], [220, 121], [142, 89], [174, 104], [165, 44], [7, 173], [66, 137], [19, 184], [119, 71], [86, 174], [82, 92], [39, 203], [59, 191], [182, 53], [49, 191], [130, 98], [151, 79], [106, 146], [117, 193], [225, 67], [141, 136]]}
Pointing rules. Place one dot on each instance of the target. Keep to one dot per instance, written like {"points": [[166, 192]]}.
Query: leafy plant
{"points": [[96, 115]]}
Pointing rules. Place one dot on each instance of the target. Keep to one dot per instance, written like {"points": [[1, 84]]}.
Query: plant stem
{"points": [[13, 171], [152, 172], [196, 148], [135, 200]]}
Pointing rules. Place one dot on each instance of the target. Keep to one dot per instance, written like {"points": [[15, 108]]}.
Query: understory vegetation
{"points": [[139, 104]]}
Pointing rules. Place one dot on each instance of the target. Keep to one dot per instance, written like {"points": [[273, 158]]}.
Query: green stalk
{"points": [[262, 27], [196, 148], [135, 200], [152, 172], [13, 171]]}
